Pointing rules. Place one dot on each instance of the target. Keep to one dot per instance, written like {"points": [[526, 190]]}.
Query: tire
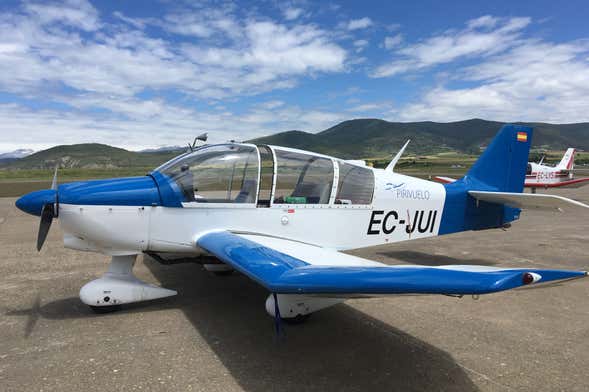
{"points": [[223, 273], [105, 309], [298, 319]]}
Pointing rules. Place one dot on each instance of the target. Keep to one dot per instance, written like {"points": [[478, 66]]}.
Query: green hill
{"points": [[90, 156], [364, 138]]}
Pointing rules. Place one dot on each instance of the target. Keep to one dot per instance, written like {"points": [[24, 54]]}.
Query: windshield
{"points": [[216, 174]]}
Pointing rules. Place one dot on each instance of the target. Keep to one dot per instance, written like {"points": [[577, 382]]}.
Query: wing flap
{"points": [[310, 254], [282, 273], [530, 200]]}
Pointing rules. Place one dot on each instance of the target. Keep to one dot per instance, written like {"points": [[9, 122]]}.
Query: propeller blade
{"points": [[46, 218]]}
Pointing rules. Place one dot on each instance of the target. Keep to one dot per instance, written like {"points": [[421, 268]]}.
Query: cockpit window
{"points": [[302, 178], [217, 174], [355, 184]]}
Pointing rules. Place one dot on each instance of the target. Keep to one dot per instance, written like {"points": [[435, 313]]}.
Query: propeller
{"points": [[49, 211], [46, 218]]}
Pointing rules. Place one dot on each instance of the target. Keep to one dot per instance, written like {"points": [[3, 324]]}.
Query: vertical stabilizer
{"points": [[502, 166], [568, 160]]}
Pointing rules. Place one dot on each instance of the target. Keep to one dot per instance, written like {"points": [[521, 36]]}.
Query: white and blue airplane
{"points": [[281, 217]]}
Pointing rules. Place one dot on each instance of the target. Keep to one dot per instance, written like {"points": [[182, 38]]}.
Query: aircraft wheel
{"points": [[298, 319], [105, 309]]}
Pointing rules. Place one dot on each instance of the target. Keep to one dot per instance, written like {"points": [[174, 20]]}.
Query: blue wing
{"points": [[281, 272]]}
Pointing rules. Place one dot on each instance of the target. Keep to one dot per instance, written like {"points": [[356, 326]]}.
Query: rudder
{"points": [[502, 166], [568, 160]]}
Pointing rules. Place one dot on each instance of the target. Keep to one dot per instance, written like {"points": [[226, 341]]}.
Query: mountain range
{"points": [[90, 156], [373, 138], [14, 155], [353, 139]]}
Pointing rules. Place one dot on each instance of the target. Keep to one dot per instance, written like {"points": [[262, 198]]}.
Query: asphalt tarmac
{"points": [[216, 336]]}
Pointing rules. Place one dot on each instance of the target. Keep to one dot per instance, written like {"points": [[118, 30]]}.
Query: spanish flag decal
{"points": [[522, 137]]}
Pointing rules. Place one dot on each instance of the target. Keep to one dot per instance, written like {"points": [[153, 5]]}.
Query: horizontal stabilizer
{"points": [[282, 273], [530, 200]]}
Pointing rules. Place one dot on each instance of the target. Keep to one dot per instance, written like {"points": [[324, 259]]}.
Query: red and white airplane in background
{"points": [[544, 176], [561, 175]]}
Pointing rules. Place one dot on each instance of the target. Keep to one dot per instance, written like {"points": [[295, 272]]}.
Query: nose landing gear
{"points": [[119, 286]]}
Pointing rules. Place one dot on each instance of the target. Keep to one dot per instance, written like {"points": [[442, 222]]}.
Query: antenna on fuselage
{"points": [[391, 166]]}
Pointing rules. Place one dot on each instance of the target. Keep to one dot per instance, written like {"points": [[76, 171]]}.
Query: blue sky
{"points": [[140, 74]]}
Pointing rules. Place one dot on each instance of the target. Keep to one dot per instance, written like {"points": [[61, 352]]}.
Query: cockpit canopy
{"points": [[302, 178], [217, 174], [231, 173]]}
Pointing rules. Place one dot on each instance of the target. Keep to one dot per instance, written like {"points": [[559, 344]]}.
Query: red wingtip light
{"points": [[528, 278]]}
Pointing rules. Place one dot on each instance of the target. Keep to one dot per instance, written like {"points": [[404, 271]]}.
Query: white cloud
{"points": [[485, 21], [292, 13], [67, 57], [271, 104], [77, 13], [135, 22], [533, 81], [477, 39], [370, 107], [357, 24], [187, 24], [274, 54], [392, 41], [360, 45], [39, 52], [509, 77], [392, 27], [151, 124]]}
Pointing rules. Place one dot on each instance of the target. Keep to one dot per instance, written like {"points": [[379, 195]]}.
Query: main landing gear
{"points": [[119, 286], [296, 309]]}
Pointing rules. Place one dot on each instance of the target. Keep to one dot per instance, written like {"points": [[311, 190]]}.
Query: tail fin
{"points": [[502, 166], [568, 160]]}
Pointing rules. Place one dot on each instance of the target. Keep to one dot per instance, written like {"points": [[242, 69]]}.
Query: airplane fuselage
{"points": [[546, 176], [402, 208]]}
